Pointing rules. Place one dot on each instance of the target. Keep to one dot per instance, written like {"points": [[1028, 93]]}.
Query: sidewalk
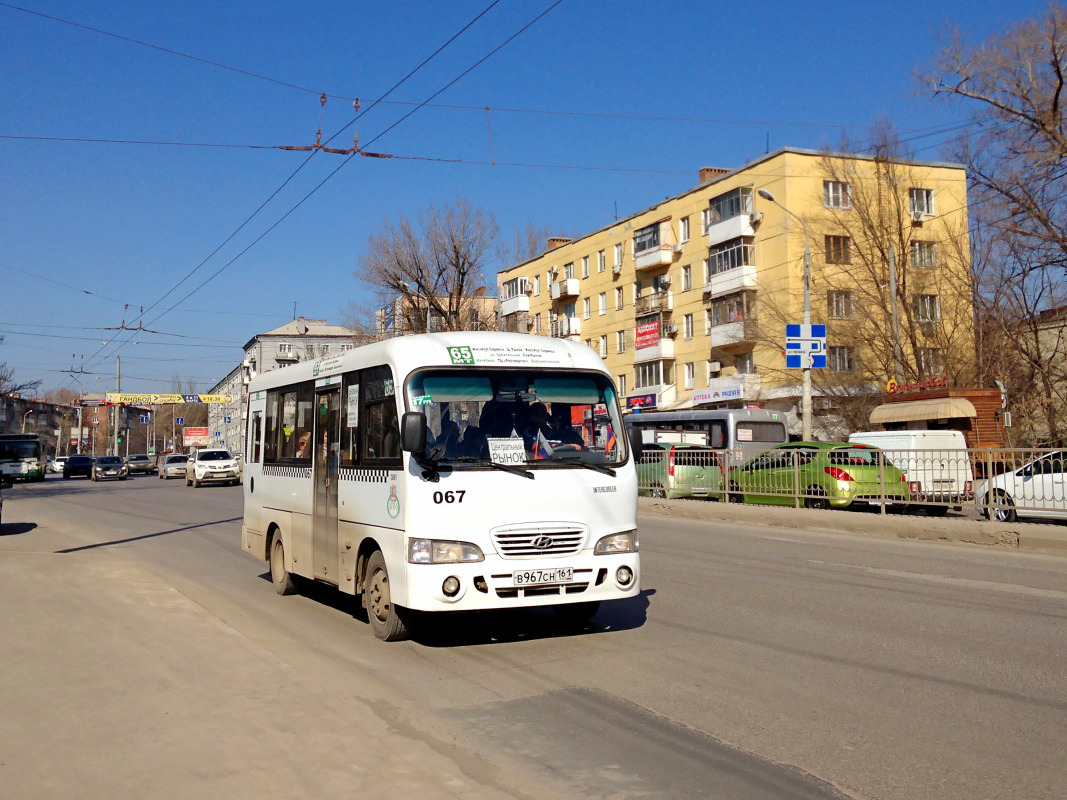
{"points": [[1030, 536]]}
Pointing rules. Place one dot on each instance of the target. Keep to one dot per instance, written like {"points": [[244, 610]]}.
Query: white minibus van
{"points": [[445, 472]]}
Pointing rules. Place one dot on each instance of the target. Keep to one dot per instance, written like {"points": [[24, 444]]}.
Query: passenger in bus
{"points": [[303, 445]]}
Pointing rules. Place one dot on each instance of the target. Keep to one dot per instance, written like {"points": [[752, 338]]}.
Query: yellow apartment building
{"points": [[687, 301]]}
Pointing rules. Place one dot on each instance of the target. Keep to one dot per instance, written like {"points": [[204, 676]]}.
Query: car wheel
{"points": [[197, 483], [279, 575], [1003, 507], [935, 511], [817, 498], [387, 621], [658, 492], [734, 494]]}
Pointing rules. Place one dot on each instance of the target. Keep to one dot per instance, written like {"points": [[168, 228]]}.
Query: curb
{"points": [[1029, 536]]}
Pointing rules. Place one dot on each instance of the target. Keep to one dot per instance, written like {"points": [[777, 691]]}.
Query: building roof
{"points": [[304, 327]]}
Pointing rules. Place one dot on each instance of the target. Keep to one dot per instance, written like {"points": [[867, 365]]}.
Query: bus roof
{"points": [[461, 348]]}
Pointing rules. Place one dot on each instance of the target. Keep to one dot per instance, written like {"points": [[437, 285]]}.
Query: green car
{"points": [[679, 470], [821, 474]]}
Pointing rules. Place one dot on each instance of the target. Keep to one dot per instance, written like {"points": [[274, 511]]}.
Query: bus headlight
{"points": [[432, 551], [625, 542]]}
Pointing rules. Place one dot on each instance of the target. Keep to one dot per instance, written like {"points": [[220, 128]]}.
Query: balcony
{"points": [[661, 256], [730, 281], [565, 327], [654, 303], [286, 355], [733, 228], [663, 348], [734, 336], [513, 305], [568, 287]]}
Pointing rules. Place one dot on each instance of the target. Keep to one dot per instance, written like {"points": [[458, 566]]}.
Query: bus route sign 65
{"points": [[461, 355]]}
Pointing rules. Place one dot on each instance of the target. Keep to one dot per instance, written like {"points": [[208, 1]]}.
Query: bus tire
{"points": [[279, 575], [387, 621], [576, 614]]}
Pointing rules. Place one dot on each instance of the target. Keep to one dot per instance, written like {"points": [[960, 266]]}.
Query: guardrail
{"points": [[1022, 481]]}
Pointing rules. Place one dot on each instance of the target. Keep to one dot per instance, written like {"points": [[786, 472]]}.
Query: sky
{"points": [[140, 163]]}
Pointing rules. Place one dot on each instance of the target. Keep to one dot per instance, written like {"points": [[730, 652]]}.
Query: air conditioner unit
{"points": [[678, 248], [665, 280], [714, 366], [617, 269], [670, 329], [246, 363], [554, 271], [528, 287], [755, 217], [917, 217]]}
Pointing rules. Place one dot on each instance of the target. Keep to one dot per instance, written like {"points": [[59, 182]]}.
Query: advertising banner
{"points": [[646, 335], [722, 394], [196, 437], [163, 399]]}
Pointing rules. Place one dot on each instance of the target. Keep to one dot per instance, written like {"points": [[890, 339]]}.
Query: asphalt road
{"points": [[148, 656]]}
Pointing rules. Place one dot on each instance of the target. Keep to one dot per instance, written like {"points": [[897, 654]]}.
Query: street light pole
{"points": [[805, 396], [24, 419]]}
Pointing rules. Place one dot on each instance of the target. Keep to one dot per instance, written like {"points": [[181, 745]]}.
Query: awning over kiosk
{"points": [[908, 410]]}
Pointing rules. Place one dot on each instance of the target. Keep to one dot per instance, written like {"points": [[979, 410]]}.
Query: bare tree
{"points": [[431, 275], [8, 384], [528, 243]]}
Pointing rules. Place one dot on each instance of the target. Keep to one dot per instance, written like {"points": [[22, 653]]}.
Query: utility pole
{"points": [[897, 359], [118, 388]]}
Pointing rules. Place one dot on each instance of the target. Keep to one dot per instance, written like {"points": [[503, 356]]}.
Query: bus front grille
{"points": [[537, 541], [558, 590]]}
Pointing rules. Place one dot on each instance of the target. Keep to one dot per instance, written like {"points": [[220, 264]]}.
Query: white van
{"points": [[936, 464]]}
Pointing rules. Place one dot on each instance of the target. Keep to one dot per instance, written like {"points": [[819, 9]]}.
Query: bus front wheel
{"points": [[279, 575], [387, 621]]}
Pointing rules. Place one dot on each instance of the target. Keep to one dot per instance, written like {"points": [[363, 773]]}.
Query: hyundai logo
{"points": [[542, 542]]}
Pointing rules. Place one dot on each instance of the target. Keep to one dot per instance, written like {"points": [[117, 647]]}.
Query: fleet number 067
{"points": [[449, 497]]}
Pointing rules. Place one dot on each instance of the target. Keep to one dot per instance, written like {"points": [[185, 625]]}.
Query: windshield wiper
{"points": [[503, 467], [577, 459]]}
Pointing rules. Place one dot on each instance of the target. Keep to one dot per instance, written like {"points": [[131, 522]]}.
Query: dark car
{"points": [[110, 468], [140, 464], [78, 465]]}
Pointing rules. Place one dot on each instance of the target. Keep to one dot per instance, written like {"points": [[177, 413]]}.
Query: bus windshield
{"points": [[518, 417]]}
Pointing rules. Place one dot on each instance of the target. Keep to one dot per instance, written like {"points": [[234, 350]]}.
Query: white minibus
{"points": [[445, 472]]}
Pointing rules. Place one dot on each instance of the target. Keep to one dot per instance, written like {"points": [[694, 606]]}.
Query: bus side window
{"points": [[381, 431], [350, 421], [718, 434], [254, 441], [270, 434]]}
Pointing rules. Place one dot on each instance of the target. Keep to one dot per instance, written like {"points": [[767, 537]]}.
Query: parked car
{"points": [[109, 468], [1037, 489], [822, 474], [140, 464], [936, 464], [212, 465], [172, 466], [679, 470], [57, 464], [5, 484], [78, 465]]}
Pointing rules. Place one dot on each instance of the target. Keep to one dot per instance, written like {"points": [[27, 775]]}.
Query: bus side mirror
{"points": [[413, 432], [637, 442]]}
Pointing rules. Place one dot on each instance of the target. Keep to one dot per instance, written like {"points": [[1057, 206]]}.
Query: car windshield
{"points": [[213, 455], [138, 458], [518, 417], [108, 460], [177, 459], [855, 456]]}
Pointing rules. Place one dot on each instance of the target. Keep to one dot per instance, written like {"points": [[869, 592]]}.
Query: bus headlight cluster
{"points": [[624, 542], [433, 551]]}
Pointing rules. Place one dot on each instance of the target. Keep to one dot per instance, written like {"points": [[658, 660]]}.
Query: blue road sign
{"points": [[805, 346], [227, 420], [179, 421], [144, 419]]}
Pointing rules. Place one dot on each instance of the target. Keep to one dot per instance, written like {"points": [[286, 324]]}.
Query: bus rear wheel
{"points": [[387, 621], [279, 575]]}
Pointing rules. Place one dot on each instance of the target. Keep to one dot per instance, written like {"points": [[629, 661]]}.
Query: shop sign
{"points": [[721, 395]]}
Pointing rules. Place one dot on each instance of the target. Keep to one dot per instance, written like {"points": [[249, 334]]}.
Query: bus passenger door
{"points": [[324, 503]]}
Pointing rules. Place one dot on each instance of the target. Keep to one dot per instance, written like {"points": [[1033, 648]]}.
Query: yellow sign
{"points": [[891, 386], [165, 399]]}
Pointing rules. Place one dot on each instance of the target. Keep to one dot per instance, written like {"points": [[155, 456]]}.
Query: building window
{"points": [[687, 327], [924, 254], [707, 270], [728, 255], [324, 349], [838, 250], [654, 373], [744, 364], [687, 278], [622, 386], [287, 349], [707, 322], [619, 301], [637, 291], [346, 347], [839, 305], [537, 323], [705, 221], [731, 204], [604, 345], [730, 308], [690, 375], [618, 255], [646, 239], [537, 285], [836, 194], [586, 308], [602, 303], [928, 308], [931, 361], [568, 270], [683, 229], [585, 266], [922, 201], [841, 359], [601, 261], [620, 341]]}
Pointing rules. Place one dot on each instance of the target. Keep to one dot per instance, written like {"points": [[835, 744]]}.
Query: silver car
{"points": [[172, 466]]}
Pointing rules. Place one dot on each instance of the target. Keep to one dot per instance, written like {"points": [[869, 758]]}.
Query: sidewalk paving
{"points": [[1030, 536]]}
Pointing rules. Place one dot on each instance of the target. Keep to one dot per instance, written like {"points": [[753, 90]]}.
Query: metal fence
{"points": [[1009, 482]]}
